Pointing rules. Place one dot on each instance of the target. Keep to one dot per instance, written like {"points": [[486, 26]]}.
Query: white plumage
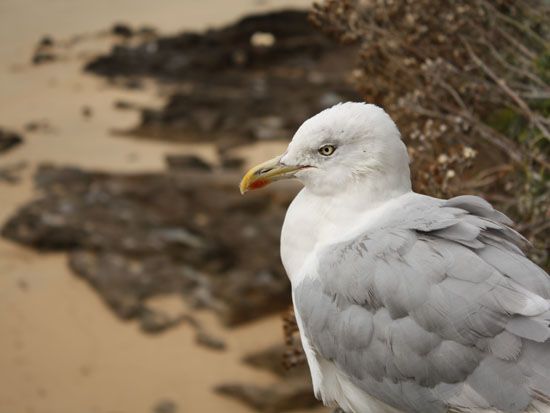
{"points": [[405, 303]]}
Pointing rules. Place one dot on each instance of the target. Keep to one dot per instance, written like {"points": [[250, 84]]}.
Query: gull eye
{"points": [[327, 150]]}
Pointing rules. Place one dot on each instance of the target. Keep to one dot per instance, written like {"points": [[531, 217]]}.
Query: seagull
{"points": [[404, 302]]}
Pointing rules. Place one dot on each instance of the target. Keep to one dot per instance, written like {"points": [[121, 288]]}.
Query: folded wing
{"points": [[433, 308]]}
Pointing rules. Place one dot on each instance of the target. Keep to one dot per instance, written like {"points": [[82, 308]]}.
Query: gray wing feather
{"points": [[434, 308]]}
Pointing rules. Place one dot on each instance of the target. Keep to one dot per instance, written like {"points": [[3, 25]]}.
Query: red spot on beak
{"points": [[260, 183]]}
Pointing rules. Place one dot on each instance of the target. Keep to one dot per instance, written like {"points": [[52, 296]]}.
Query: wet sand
{"points": [[61, 349]]}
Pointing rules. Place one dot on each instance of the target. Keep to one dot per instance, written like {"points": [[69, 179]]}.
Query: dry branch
{"points": [[469, 77]]}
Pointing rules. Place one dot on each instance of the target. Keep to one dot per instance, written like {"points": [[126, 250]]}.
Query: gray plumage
{"points": [[434, 308]]}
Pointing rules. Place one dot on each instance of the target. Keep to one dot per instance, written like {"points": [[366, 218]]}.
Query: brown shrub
{"points": [[468, 83]]}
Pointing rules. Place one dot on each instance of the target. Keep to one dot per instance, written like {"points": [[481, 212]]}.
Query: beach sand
{"points": [[62, 350]]}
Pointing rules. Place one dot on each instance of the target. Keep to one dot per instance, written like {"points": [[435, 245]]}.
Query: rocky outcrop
{"points": [[134, 237]]}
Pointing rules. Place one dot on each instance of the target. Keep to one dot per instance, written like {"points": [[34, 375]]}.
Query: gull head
{"points": [[346, 147]]}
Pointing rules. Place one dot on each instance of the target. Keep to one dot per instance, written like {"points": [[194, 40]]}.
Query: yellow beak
{"points": [[265, 173]]}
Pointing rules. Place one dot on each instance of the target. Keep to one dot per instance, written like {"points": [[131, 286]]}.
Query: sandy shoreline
{"points": [[62, 350]]}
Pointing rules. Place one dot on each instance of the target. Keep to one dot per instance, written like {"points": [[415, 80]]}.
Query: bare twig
{"points": [[528, 53], [506, 89], [520, 72], [515, 23]]}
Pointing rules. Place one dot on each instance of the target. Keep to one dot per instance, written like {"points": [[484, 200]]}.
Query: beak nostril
{"points": [[263, 171]]}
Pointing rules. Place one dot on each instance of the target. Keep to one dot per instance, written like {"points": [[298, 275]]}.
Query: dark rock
{"points": [[171, 57], [11, 173], [272, 359], [87, 111], [237, 87], [232, 163], [293, 391], [147, 31], [126, 105], [165, 406], [9, 140], [46, 41], [39, 126], [133, 84], [42, 56], [282, 396], [156, 321], [23, 285], [44, 52], [122, 30], [133, 237], [185, 162], [207, 340]]}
